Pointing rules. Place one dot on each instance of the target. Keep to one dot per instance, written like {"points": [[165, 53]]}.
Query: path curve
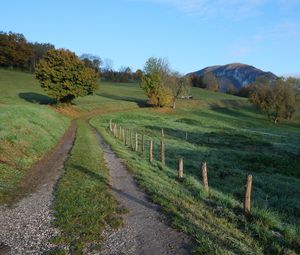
{"points": [[144, 231], [26, 223]]}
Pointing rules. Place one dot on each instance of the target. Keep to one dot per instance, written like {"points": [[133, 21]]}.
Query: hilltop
{"points": [[236, 74]]}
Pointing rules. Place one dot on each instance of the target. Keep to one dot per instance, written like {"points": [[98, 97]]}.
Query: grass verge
{"points": [[84, 205], [27, 132]]}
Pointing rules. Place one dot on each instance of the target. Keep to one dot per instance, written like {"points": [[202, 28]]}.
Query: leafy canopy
{"points": [[278, 100], [64, 76], [161, 86]]}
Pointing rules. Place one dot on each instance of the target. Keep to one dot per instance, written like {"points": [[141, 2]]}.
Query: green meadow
{"points": [[28, 128], [225, 131], [235, 140]]}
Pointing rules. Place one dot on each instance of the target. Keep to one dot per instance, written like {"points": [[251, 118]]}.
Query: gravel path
{"points": [[144, 231], [26, 224]]}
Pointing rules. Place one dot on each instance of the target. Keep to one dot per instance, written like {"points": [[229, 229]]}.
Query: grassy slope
{"points": [[240, 140], [27, 130], [113, 97], [234, 140], [83, 204]]}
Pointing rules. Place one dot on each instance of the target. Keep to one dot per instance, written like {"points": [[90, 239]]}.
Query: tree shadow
{"points": [[122, 193], [140, 102], [37, 98], [248, 150], [225, 138], [232, 109]]}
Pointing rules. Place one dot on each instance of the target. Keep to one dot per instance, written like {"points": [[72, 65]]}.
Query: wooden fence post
{"points": [[115, 130], [120, 133], [131, 139], [136, 141], [143, 143], [180, 168], [186, 135], [162, 147], [110, 126], [248, 189], [150, 151], [123, 135], [204, 176], [125, 139]]}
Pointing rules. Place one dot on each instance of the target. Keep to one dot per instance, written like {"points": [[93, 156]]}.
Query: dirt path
{"points": [[144, 231], [26, 223]]}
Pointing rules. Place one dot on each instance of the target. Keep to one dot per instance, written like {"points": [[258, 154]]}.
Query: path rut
{"points": [[144, 231], [26, 223]]}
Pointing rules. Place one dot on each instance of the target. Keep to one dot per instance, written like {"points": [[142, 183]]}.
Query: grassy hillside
{"points": [[27, 129], [224, 130], [235, 140]]}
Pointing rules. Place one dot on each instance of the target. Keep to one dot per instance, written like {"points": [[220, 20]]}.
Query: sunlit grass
{"points": [[84, 205], [27, 129], [234, 141]]}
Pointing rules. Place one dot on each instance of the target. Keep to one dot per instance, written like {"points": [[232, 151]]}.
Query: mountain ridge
{"points": [[237, 75]]}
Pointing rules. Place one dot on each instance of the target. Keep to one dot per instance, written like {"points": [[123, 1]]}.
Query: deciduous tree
{"points": [[179, 85], [278, 100], [154, 82], [64, 76], [210, 81], [15, 51], [91, 61]]}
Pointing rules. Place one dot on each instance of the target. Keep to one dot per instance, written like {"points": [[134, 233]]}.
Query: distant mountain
{"points": [[236, 75]]}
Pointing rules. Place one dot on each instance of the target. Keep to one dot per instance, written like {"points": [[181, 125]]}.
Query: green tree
{"points": [[64, 76], [278, 100], [154, 82], [159, 65]]}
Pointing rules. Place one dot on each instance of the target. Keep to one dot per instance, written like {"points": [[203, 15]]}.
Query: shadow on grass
{"points": [[249, 152], [140, 102], [217, 139], [233, 112], [90, 173], [36, 98], [120, 192]]}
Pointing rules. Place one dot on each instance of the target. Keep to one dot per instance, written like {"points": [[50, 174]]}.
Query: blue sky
{"points": [[191, 34]]}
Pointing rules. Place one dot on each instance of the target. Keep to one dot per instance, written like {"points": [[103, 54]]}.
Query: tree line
{"points": [[278, 99], [65, 76], [16, 52]]}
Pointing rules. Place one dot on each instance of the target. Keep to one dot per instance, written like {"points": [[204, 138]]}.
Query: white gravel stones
{"points": [[26, 228]]}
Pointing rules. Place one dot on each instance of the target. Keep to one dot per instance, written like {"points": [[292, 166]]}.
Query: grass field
{"points": [[27, 129], [224, 130], [234, 140], [84, 205]]}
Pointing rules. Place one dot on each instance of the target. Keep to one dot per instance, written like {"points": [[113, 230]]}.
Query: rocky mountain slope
{"points": [[236, 74]]}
